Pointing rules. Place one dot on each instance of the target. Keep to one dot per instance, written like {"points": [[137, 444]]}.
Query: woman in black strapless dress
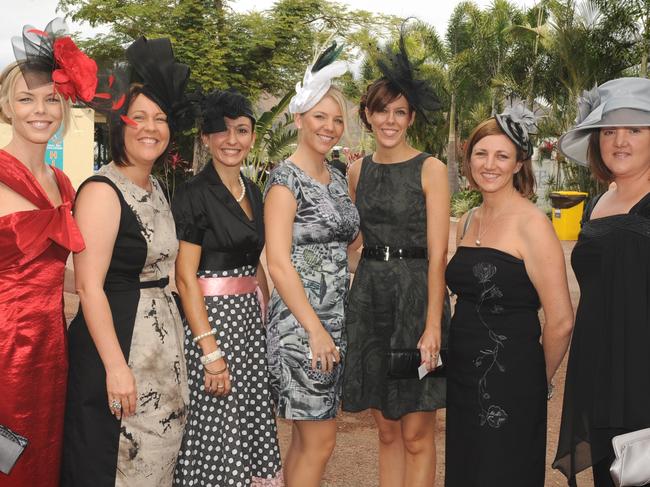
{"points": [[508, 262]]}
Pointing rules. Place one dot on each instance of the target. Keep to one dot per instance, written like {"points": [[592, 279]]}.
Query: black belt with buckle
{"points": [[386, 253]]}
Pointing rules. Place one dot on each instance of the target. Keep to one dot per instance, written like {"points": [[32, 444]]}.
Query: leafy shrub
{"points": [[465, 200]]}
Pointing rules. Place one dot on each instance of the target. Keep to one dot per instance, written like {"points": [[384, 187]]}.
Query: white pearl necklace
{"points": [[243, 190]]}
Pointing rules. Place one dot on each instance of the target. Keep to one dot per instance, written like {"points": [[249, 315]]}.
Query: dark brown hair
{"points": [[598, 167], [523, 180], [117, 127], [378, 94]]}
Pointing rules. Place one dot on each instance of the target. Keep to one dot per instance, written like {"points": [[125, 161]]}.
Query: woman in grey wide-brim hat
{"points": [[608, 377]]}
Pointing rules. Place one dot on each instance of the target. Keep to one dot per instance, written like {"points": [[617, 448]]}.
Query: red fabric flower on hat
{"points": [[76, 73]]}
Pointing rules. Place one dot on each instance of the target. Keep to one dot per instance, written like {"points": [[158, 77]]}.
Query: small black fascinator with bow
{"points": [[223, 103], [398, 69], [519, 124]]}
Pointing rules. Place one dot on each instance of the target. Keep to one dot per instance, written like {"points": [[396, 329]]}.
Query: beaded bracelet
{"points": [[211, 357], [196, 339]]}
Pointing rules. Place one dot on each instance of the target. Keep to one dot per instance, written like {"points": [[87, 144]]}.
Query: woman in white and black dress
{"points": [[231, 436]]}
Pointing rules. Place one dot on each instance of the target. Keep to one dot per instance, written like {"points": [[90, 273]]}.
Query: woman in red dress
{"points": [[37, 233]]}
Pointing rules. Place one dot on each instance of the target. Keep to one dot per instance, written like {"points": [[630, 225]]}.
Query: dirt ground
{"points": [[354, 462]]}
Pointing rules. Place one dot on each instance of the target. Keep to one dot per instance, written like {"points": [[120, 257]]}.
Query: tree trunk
{"points": [[452, 162], [201, 155]]}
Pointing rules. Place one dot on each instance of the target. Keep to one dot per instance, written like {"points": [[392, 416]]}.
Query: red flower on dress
{"points": [[76, 73]]}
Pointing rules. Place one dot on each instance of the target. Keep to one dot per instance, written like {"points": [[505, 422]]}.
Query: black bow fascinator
{"points": [[219, 104], [519, 124], [51, 56], [164, 79], [397, 68]]}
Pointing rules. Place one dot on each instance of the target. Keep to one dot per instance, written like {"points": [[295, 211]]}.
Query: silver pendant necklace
{"points": [[480, 233]]}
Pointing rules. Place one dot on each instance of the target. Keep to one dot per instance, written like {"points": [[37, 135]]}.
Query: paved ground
{"points": [[354, 463]]}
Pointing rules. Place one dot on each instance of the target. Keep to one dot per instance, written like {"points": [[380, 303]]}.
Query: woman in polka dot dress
{"points": [[231, 436]]}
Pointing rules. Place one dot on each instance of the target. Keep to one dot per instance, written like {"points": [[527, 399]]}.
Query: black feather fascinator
{"points": [[219, 104], [397, 68]]}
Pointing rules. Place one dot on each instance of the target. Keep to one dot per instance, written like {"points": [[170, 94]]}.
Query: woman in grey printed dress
{"points": [[310, 220], [127, 385], [223, 288]]}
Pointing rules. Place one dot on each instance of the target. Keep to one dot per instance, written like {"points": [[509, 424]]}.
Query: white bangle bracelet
{"points": [[196, 339], [211, 357]]}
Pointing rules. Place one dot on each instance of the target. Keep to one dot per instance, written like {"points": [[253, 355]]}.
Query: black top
{"points": [[391, 203], [339, 165], [207, 214], [608, 375]]}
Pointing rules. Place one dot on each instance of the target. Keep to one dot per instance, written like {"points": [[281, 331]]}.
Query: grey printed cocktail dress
{"points": [[325, 222], [138, 450]]}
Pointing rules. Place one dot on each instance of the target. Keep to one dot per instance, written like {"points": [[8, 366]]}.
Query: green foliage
{"points": [[275, 140], [464, 200]]}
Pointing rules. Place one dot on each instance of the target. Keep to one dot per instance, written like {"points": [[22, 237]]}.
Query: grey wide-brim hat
{"points": [[622, 102]]}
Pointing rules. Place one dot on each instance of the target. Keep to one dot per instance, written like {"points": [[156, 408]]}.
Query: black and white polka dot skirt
{"points": [[232, 440]]}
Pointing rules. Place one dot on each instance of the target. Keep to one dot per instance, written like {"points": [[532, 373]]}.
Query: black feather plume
{"points": [[327, 57], [397, 68]]}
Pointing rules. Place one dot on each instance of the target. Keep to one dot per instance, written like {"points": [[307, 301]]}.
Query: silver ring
{"points": [[220, 386], [116, 404]]}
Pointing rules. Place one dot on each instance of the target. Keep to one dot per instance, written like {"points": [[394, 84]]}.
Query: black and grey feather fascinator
{"points": [[519, 124], [398, 69]]}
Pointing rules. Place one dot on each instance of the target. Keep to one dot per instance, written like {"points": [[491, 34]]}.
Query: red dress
{"points": [[34, 246]]}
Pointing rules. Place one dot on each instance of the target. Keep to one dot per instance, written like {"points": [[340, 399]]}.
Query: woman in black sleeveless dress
{"points": [[607, 389], [508, 260], [398, 298]]}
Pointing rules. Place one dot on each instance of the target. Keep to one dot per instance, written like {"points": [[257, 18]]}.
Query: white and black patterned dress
{"points": [[232, 440], [140, 449], [325, 222]]}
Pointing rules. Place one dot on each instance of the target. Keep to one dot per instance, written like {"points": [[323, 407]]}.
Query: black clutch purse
{"points": [[11, 447], [403, 363]]}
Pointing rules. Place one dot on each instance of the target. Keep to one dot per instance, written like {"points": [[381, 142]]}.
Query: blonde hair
{"points": [[8, 80]]}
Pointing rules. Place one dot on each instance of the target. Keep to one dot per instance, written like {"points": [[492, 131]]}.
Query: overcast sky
{"points": [[39, 12]]}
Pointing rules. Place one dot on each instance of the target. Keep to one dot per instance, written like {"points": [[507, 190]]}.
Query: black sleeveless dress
{"points": [[496, 378], [388, 300], [607, 389], [138, 450]]}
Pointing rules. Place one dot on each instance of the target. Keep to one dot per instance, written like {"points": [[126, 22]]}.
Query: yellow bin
{"points": [[567, 213]]}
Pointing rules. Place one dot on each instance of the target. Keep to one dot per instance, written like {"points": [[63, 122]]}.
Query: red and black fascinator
{"points": [[151, 63], [51, 56]]}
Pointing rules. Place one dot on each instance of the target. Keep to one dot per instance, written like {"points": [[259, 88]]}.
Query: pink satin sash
{"points": [[222, 286]]}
